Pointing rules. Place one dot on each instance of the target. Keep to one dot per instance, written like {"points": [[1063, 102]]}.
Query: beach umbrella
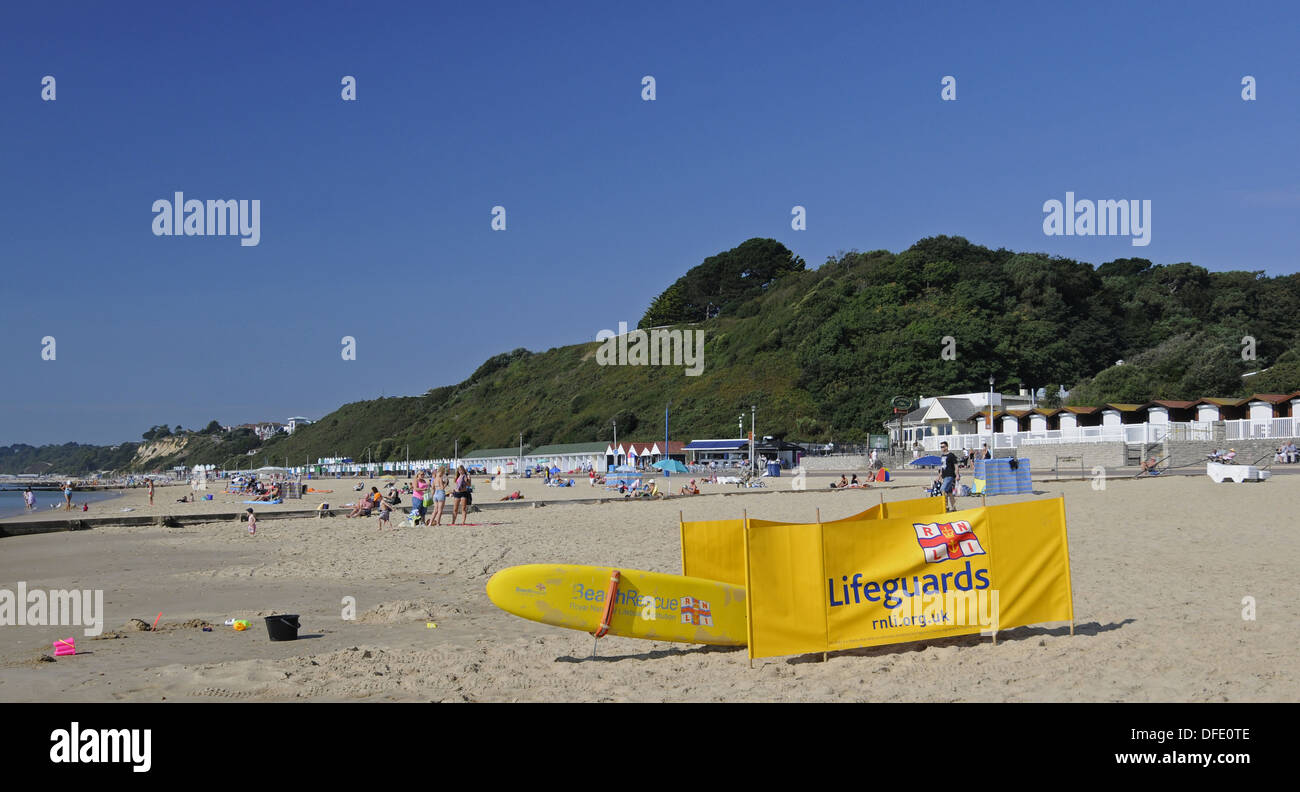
{"points": [[555, 470], [927, 461], [670, 466]]}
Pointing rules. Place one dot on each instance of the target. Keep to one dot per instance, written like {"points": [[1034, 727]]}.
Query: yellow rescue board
{"points": [[648, 605]]}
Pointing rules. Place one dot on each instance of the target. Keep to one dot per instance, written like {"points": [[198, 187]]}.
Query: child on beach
{"points": [[385, 510], [252, 522]]}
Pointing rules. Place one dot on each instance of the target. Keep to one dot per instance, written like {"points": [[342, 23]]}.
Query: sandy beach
{"points": [[1160, 568]]}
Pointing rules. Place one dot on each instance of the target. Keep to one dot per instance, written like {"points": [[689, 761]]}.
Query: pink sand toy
{"points": [[64, 647]]}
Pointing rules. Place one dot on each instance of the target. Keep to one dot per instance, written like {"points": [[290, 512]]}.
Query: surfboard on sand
{"points": [[649, 605]]}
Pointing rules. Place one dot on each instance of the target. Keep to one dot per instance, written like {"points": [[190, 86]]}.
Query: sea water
{"points": [[11, 501]]}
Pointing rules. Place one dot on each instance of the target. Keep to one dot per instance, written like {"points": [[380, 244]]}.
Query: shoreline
{"points": [[23, 515]]}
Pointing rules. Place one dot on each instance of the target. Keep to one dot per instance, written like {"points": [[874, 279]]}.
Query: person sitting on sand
{"points": [[271, 494], [690, 489], [365, 505], [392, 498], [1149, 467]]}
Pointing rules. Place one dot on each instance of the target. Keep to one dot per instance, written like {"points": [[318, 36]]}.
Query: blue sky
{"points": [[375, 214]]}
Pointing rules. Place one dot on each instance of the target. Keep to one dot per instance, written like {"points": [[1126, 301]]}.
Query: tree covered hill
{"points": [[821, 352]]}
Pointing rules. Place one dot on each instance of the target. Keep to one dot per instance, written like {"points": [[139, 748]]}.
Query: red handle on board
{"points": [[611, 595]]}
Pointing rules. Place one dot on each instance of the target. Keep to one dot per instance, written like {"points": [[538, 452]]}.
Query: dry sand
{"points": [[1159, 568]]}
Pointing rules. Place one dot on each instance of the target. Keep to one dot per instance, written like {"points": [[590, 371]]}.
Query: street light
{"points": [[752, 409], [667, 473], [991, 439]]}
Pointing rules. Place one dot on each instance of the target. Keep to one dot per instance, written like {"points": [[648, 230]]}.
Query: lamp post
{"points": [[615, 422], [753, 408], [991, 440], [667, 473]]}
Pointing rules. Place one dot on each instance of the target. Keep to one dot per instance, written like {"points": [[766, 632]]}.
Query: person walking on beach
{"points": [[949, 476], [150, 492], [439, 494], [29, 498], [67, 496], [252, 522], [461, 492]]}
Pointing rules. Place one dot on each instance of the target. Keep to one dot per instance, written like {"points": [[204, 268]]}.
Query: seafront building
{"points": [[1108, 435]]}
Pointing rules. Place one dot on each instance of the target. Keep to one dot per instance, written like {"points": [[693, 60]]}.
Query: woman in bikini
{"points": [[439, 494], [460, 492]]}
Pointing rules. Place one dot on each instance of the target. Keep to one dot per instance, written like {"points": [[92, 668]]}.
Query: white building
{"points": [[957, 414]]}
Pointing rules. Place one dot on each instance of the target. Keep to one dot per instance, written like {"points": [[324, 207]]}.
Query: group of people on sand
{"points": [[273, 493], [433, 491]]}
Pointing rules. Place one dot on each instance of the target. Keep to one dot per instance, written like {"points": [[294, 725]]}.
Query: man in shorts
{"points": [[949, 476]]}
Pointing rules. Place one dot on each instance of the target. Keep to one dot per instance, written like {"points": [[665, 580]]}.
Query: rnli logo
{"points": [[947, 541], [696, 612]]}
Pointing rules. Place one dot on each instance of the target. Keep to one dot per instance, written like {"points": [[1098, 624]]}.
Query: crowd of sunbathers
{"points": [[268, 493]]}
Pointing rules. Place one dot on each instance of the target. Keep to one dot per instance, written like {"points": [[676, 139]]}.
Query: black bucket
{"points": [[283, 627]]}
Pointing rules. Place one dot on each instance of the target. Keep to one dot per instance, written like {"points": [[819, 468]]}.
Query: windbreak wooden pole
{"points": [[749, 599]]}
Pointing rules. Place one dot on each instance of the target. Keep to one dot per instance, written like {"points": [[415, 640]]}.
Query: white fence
{"points": [[1265, 429]]}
